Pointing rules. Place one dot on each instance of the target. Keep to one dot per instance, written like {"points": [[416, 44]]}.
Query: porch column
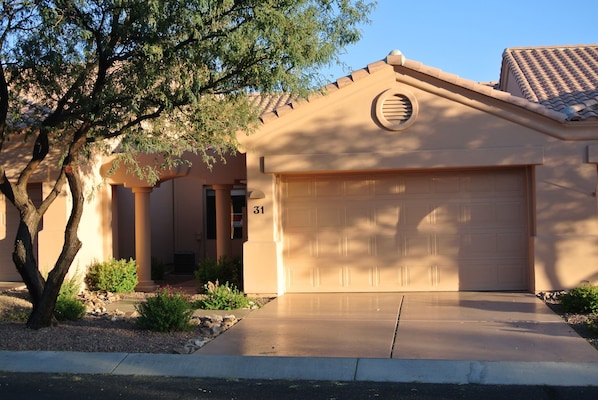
{"points": [[224, 245], [143, 239]]}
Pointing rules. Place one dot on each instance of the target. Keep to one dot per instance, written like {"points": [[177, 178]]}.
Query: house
{"points": [[404, 177], [401, 177]]}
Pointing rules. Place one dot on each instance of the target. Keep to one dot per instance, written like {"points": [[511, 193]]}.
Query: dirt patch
{"points": [[103, 331]]}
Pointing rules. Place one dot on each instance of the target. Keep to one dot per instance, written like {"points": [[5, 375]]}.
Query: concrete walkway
{"points": [[423, 326], [485, 338]]}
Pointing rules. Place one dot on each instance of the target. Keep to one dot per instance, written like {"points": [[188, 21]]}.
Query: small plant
{"points": [[223, 270], [582, 299], [70, 287], [223, 297], [15, 314], [69, 309], [167, 311], [117, 276]]}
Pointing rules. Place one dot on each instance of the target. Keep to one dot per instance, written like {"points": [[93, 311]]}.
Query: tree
{"points": [[155, 76]]}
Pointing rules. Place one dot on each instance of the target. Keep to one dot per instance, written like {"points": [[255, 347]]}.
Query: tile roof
{"points": [[562, 84], [562, 78], [271, 102]]}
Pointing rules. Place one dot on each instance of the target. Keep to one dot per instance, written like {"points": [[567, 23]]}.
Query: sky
{"points": [[467, 37]]}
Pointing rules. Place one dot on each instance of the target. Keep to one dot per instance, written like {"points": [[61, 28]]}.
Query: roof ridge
{"points": [[396, 59], [340, 83], [519, 76], [549, 47]]}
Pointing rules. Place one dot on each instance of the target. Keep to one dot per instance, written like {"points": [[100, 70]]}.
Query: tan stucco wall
{"points": [[178, 211], [454, 129]]}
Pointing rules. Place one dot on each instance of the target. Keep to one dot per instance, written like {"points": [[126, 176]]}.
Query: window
{"points": [[237, 207]]}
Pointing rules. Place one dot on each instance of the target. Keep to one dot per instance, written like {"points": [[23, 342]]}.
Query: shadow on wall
{"points": [[563, 184]]}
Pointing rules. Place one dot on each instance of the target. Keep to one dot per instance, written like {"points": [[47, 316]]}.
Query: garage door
{"points": [[448, 230]]}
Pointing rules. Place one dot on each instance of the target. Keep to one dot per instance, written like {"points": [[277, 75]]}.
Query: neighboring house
{"points": [[402, 177]]}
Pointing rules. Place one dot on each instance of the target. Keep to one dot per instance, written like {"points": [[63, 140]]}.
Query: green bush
{"points": [[582, 299], [593, 322], [223, 297], [70, 288], [117, 276], [223, 270], [69, 309], [167, 311]]}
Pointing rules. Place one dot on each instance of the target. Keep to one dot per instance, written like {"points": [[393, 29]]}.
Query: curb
{"points": [[304, 368]]}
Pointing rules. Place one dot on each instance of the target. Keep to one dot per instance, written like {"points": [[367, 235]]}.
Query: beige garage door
{"points": [[448, 230]]}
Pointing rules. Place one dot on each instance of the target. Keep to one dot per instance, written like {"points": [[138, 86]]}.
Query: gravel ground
{"points": [[108, 334]]}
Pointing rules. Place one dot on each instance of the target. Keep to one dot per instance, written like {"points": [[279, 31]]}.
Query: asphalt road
{"points": [[105, 387]]}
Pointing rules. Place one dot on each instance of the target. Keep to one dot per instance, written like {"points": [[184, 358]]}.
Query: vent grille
{"points": [[397, 109]]}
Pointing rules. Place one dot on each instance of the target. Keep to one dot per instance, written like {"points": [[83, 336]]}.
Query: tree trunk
{"points": [[43, 312]]}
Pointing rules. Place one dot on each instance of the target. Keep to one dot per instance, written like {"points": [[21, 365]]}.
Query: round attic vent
{"points": [[396, 109]]}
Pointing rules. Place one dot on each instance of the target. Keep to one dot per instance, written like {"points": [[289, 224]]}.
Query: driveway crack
{"points": [[394, 337]]}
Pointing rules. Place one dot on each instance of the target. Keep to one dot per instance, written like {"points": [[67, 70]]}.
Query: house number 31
{"points": [[258, 209]]}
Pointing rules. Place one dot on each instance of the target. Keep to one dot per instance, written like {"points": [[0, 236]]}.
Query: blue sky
{"points": [[467, 37]]}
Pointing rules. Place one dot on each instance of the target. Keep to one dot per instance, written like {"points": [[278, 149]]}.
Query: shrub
{"points": [[167, 311], [69, 309], [582, 299], [17, 313], [223, 270], [70, 287], [223, 297], [117, 276]]}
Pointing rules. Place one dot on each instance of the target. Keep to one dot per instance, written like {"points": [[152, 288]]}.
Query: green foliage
{"points": [[70, 288], [69, 309], [183, 66], [167, 311], [15, 313], [593, 322], [223, 270], [117, 276], [582, 299], [223, 297]]}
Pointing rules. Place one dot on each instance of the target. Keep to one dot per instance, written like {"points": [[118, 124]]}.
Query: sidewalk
{"points": [[305, 368]]}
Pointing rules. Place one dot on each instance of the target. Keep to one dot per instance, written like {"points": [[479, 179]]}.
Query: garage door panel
{"points": [[511, 243], [359, 246], [329, 244], [415, 245], [450, 230], [476, 245], [328, 217], [415, 215], [299, 246], [389, 246], [358, 217], [448, 245], [298, 217]]}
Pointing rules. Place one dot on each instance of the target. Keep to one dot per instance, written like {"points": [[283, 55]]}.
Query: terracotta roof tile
{"points": [[562, 78], [563, 86]]}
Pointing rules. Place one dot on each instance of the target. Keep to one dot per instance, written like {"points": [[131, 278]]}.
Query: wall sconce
{"points": [[256, 194]]}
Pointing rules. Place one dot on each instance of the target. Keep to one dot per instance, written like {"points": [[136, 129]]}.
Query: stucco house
{"points": [[401, 177]]}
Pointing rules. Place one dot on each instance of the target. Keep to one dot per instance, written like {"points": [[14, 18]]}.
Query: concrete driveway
{"points": [[478, 326]]}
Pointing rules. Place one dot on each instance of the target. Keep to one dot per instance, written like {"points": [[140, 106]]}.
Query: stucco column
{"points": [[143, 239], [224, 245]]}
